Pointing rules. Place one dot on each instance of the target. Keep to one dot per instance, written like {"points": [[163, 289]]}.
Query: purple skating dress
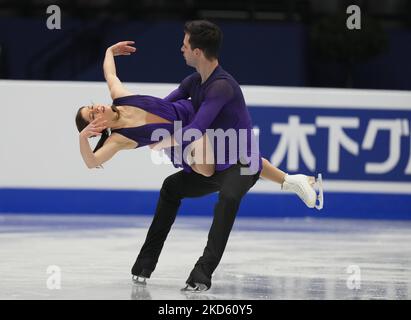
{"points": [[181, 110]]}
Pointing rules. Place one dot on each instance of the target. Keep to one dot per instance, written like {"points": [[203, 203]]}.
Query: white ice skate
{"points": [[139, 280], [305, 187]]}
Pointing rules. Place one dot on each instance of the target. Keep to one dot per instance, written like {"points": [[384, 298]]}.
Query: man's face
{"points": [[189, 55]]}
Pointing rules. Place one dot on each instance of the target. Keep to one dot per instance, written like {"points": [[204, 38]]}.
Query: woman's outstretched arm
{"points": [[114, 84], [105, 153]]}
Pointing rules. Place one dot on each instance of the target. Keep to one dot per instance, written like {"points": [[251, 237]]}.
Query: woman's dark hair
{"points": [[81, 123], [204, 35]]}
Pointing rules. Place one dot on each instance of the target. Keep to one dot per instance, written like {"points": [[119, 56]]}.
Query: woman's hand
{"points": [[122, 48], [94, 128]]}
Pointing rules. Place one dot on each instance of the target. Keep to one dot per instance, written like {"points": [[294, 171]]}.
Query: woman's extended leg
{"points": [[203, 162], [272, 173], [300, 184], [202, 155]]}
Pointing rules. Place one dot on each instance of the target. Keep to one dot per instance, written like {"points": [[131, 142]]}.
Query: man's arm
{"points": [[183, 90], [216, 97], [177, 94]]}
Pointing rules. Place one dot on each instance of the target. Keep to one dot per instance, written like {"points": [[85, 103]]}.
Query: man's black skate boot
{"points": [[197, 282], [139, 277]]}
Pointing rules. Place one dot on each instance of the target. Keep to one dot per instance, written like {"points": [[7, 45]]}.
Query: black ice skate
{"points": [[139, 280], [197, 287], [142, 276]]}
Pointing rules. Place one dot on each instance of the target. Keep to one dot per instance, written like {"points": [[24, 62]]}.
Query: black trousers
{"points": [[230, 184]]}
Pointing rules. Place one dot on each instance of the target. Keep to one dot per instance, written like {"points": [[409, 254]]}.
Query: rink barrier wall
{"points": [[300, 129]]}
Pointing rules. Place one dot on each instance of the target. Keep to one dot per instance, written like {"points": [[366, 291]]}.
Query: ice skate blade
{"points": [[320, 196], [140, 281], [199, 287]]}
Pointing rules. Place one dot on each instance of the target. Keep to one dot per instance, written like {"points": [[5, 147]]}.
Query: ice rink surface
{"points": [[90, 257]]}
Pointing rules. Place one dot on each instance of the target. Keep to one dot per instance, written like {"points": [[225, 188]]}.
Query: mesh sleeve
{"points": [[183, 91], [217, 95]]}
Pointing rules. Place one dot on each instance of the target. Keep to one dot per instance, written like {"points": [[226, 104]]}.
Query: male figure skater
{"points": [[219, 104]]}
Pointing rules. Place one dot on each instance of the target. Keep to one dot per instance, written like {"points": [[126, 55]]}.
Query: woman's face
{"points": [[98, 111]]}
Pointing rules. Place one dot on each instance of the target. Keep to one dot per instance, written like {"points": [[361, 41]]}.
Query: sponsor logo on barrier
{"points": [[353, 148], [293, 143]]}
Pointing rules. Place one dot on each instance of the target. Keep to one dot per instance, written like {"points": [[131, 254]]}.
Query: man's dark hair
{"points": [[204, 35]]}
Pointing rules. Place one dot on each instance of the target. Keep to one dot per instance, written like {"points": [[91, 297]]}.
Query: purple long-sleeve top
{"points": [[219, 104]]}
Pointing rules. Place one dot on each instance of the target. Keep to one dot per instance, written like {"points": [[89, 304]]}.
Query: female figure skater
{"points": [[132, 119]]}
